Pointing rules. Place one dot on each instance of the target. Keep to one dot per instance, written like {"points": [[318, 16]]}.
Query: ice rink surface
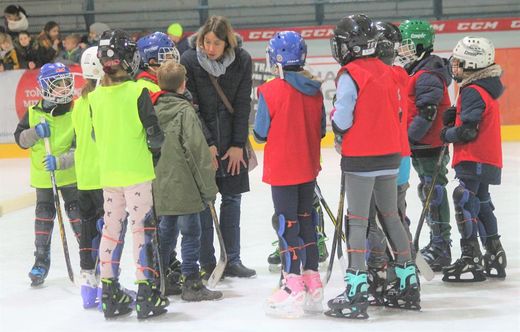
{"points": [[488, 306]]}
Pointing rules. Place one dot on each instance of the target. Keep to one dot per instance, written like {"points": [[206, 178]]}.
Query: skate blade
{"points": [[283, 312], [497, 273], [477, 277], [118, 314], [314, 308], [151, 313], [404, 306], [336, 313], [275, 268]]}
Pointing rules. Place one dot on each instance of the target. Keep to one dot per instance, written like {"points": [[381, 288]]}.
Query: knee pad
{"points": [[44, 224], [467, 207], [420, 190], [72, 210], [148, 255], [286, 229], [437, 196]]}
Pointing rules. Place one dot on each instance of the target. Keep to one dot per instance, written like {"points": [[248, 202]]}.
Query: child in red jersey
{"points": [[291, 119]]}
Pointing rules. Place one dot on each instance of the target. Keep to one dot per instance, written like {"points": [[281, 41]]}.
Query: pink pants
{"points": [[136, 201]]}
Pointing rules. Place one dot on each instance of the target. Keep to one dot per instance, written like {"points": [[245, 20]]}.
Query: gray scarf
{"points": [[470, 77], [213, 67]]}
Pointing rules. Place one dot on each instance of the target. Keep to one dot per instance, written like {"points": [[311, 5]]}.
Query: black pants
{"points": [[90, 211], [295, 204]]}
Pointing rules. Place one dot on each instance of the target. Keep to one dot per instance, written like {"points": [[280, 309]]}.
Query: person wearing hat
{"points": [[176, 34]]}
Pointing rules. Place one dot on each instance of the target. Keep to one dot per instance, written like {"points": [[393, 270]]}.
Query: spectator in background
{"points": [[94, 33], [49, 43], [27, 51], [71, 52], [15, 20], [8, 57], [176, 34]]}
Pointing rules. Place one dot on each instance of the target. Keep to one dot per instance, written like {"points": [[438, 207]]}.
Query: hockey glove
{"points": [[43, 130], [338, 142], [448, 117], [50, 163]]}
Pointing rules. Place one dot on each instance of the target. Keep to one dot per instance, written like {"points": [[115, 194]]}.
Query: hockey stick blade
{"points": [[217, 273], [424, 269]]}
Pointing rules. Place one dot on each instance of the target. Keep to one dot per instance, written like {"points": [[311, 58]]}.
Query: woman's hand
{"points": [[236, 157], [214, 154]]}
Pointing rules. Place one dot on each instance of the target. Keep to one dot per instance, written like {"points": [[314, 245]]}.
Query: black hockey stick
{"points": [[428, 198], [157, 249], [341, 258], [337, 232], [222, 262], [57, 205]]}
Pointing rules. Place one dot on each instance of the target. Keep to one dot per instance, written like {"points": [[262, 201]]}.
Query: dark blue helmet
{"points": [[157, 46], [287, 48], [56, 83]]}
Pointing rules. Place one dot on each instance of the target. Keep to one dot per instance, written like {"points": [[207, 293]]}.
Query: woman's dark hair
{"points": [[14, 10], [49, 26]]}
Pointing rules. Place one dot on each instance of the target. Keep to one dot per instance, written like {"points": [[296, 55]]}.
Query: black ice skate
{"points": [[437, 253], [353, 303], [149, 301], [495, 258], [173, 279], [322, 248], [274, 260], [376, 286], [403, 292], [114, 301], [40, 269], [469, 267], [194, 291]]}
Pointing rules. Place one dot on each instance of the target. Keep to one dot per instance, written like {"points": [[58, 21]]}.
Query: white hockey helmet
{"points": [[90, 65], [474, 53]]}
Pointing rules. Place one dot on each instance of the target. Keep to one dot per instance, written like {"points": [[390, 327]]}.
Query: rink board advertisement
{"points": [[18, 88]]}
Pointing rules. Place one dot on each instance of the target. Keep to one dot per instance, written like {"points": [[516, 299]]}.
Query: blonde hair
{"points": [[221, 27], [4, 37], [171, 75], [75, 37]]}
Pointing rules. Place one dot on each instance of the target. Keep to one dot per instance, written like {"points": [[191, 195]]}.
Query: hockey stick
{"points": [[57, 206], [222, 262], [337, 232], [157, 240], [341, 258], [428, 198]]}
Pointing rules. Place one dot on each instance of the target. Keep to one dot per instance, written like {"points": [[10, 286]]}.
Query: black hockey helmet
{"points": [[117, 48], [354, 37], [388, 41]]}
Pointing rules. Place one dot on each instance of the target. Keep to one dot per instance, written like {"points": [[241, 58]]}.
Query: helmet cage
{"points": [[58, 88]]}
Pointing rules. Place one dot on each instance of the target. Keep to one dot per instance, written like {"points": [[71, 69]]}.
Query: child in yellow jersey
{"points": [[56, 85], [127, 133]]}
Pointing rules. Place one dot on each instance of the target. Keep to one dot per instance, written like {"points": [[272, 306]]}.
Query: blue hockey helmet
{"points": [[157, 46], [286, 48], [56, 83]]}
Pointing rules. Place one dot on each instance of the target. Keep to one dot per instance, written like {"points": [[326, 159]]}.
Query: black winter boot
{"points": [[194, 291], [239, 270]]}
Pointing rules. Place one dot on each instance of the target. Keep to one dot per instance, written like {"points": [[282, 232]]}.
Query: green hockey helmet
{"points": [[418, 37]]}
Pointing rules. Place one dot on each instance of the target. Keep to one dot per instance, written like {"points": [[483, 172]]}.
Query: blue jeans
{"points": [[230, 227], [189, 227]]}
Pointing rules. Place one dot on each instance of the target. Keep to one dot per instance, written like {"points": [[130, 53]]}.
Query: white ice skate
{"points": [[314, 292], [288, 301]]}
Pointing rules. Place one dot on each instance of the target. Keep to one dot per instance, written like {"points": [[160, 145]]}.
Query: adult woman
{"points": [[15, 20], [49, 43], [215, 51]]}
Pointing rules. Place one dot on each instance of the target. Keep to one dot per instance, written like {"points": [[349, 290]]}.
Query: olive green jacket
{"points": [[185, 175]]}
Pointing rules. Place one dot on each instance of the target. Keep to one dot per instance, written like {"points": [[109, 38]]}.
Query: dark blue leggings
{"points": [[295, 203]]}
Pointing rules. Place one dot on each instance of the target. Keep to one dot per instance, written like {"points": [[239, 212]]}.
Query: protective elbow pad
{"points": [[467, 132], [155, 137], [428, 112]]}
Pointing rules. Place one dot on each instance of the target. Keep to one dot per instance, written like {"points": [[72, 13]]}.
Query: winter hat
{"points": [[175, 29], [98, 28]]}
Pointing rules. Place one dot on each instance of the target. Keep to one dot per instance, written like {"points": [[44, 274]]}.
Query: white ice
{"points": [[492, 305]]}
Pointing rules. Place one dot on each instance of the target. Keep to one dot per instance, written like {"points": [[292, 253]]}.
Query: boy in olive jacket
{"points": [[185, 180]]}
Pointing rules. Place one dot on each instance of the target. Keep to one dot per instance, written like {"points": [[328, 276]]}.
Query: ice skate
{"points": [[288, 301], [469, 267], [149, 302], [322, 249], [353, 302], [376, 286], [173, 278], [89, 289], [404, 292], [495, 258], [313, 292], [114, 301], [40, 269], [274, 260], [437, 253]]}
